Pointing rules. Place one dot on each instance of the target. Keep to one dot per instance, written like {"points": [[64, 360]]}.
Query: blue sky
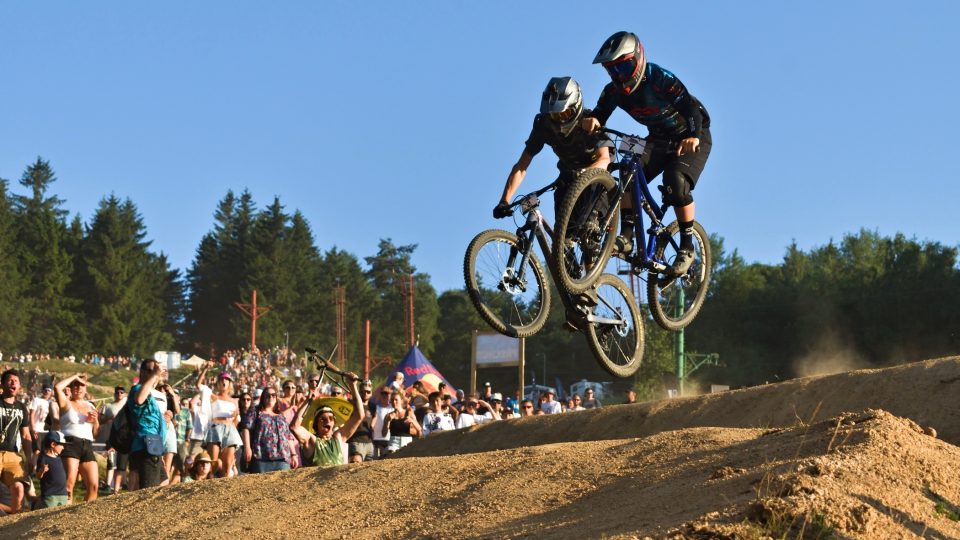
{"points": [[402, 119]]}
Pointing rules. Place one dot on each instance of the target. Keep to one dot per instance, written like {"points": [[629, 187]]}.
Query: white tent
{"points": [[194, 361]]}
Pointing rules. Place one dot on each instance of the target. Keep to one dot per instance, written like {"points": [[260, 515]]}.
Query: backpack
{"points": [[121, 431]]}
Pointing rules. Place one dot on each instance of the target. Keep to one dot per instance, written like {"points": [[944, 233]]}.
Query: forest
{"points": [[69, 286]]}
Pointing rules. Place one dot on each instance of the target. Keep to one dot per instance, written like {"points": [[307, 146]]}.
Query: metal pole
{"points": [[473, 365], [253, 323], [366, 349], [523, 354], [679, 345]]}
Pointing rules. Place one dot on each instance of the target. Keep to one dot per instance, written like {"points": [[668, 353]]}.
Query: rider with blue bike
{"points": [[558, 125], [679, 138]]}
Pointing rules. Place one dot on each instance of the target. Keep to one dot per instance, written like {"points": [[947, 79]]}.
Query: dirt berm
{"points": [[812, 458]]}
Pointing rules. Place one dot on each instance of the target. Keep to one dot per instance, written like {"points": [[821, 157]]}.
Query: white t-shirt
{"points": [[42, 405], [201, 414], [551, 407], [382, 412], [437, 422], [467, 419]]}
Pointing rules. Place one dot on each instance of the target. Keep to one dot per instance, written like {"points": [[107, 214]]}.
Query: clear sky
{"points": [[402, 119]]}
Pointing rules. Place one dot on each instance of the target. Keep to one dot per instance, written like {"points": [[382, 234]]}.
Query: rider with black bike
{"points": [[679, 138], [558, 125]]}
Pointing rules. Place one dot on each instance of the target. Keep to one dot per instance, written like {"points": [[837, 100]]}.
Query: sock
{"points": [[686, 234]]}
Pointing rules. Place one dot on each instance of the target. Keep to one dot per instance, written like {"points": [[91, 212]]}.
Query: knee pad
{"points": [[676, 189]]}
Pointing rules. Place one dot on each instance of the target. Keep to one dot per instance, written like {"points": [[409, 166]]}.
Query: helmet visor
{"points": [[563, 116], [623, 69]]}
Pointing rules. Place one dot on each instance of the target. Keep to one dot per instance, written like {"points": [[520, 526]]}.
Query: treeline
{"points": [[866, 301], [74, 287]]}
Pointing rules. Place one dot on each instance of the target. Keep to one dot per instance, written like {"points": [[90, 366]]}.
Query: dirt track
{"points": [[805, 455]]}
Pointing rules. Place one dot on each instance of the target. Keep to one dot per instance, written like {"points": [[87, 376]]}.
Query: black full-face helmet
{"points": [[623, 57], [562, 102]]}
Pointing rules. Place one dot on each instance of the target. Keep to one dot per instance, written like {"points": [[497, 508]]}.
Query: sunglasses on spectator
{"points": [[336, 392], [288, 387], [272, 394], [314, 381], [528, 406]]}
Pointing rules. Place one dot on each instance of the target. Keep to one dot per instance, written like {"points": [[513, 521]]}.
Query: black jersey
{"points": [[13, 416], [575, 151], [661, 103]]}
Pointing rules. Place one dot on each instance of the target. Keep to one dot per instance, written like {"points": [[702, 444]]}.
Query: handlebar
{"points": [[536, 193], [618, 133], [327, 365]]}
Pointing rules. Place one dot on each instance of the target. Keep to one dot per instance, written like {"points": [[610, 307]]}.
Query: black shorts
{"points": [[680, 173], [149, 468], [78, 448]]}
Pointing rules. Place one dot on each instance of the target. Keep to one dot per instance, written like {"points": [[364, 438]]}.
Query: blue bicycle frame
{"points": [[631, 170]]}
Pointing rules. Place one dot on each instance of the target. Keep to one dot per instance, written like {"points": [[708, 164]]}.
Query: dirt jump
{"points": [[865, 454]]}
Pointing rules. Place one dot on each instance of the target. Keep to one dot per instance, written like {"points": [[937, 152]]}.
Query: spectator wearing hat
{"points": [[549, 406], [438, 418], [495, 406], [223, 438], [201, 468], [324, 447], [50, 471], [360, 445]]}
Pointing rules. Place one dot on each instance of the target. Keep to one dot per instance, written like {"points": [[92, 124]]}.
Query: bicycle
{"points": [[587, 225], [507, 285]]}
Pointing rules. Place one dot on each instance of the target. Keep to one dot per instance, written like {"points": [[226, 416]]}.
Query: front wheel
{"points": [[587, 222], [507, 289], [615, 328], [675, 301]]}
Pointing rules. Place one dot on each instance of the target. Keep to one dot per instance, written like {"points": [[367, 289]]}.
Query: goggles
{"points": [[564, 115], [622, 70]]}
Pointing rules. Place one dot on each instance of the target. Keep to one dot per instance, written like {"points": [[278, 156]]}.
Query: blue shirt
{"points": [[147, 418], [54, 481]]}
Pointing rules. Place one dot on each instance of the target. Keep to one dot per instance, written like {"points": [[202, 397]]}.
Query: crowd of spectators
{"points": [[244, 412]]}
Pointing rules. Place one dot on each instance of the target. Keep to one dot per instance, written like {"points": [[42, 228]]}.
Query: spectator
{"points": [[79, 422], [448, 403], [313, 387], [200, 413], [590, 402], [575, 404], [400, 422], [200, 469], [496, 406], [39, 410], [631, 397], [170, 405], [288, 397], [360, 445], [526, 408], [549, 406], [438, 418], [146, 465], [265, 432], [223, 437], [184, 423], [116, 462], [14, 433], [383, 408], [397, 382], [53, 478], [470, 416], [324, 447]]}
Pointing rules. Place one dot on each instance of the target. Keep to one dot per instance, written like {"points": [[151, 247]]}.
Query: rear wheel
{"points": [[615, 331], [510, 295], [675, 301], [586, 229]]}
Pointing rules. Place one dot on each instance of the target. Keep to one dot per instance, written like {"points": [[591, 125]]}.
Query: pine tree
{"points": [[14, 305], [45, 263]]}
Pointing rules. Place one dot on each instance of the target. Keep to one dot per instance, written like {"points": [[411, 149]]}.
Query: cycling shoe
{"points": [[682, 263]]}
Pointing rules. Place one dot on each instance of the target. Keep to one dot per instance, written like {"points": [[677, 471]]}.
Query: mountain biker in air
{"points": [[679, 133], [558, 125]]}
